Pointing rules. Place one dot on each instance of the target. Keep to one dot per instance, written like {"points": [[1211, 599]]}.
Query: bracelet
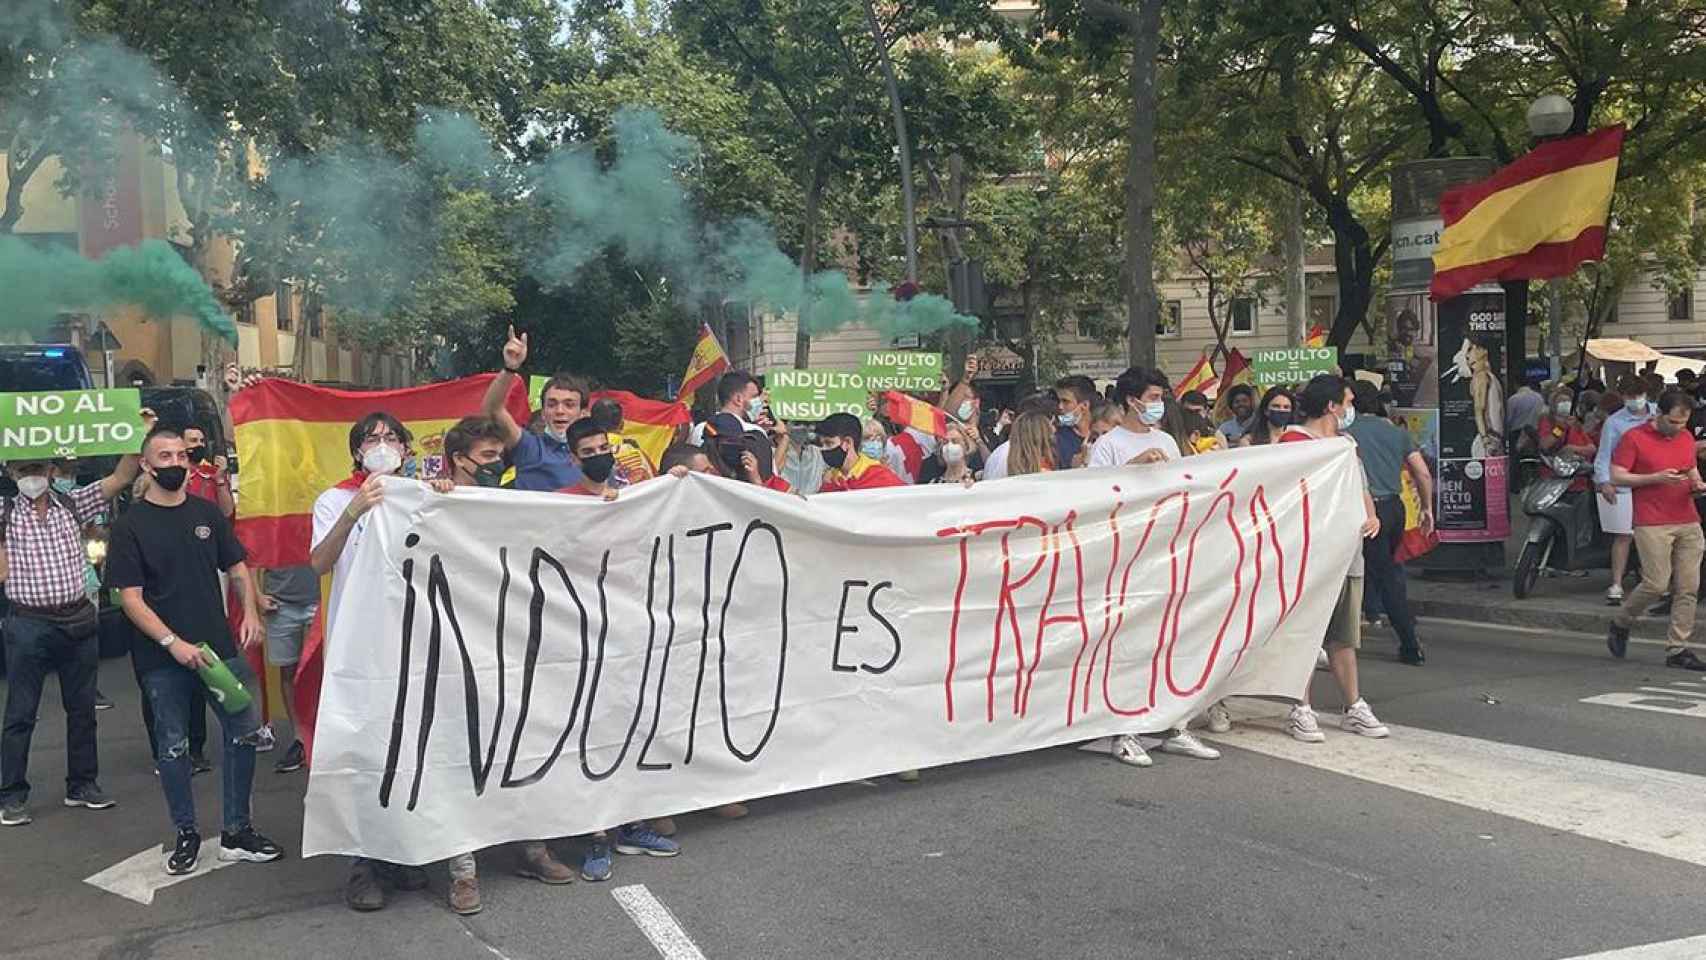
{"points": [[167, 640]]}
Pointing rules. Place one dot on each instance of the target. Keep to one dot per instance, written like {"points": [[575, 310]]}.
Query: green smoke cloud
{"points": [[42, 281]]}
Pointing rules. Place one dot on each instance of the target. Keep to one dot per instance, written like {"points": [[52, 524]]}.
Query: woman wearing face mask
{"points": [[1272, 417], [874, 444], [1561, 433], [956, 460]]}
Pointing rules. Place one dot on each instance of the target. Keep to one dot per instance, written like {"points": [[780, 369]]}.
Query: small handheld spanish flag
{"points": [[1200, 378], [707, 363], [1317, 336], [907, 412], [1540, 217]]}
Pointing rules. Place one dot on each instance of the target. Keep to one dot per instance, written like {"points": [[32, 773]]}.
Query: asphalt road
{"points": [[1506, 818]]}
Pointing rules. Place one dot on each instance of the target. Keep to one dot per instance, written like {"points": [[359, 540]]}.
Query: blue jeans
{"points": [[171, 692], [34, 649]]}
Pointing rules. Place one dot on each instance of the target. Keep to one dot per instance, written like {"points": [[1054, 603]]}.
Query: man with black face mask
{"points": [[474, 452], [589, 448], [166, 556], [208, 479]]}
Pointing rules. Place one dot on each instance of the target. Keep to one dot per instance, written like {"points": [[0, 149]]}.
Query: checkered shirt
{"points": [[45, 554]]}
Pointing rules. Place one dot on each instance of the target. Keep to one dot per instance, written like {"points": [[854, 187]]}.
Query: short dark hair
{"points": [[564, 381], [1367, 397], [1630, 385], [732, 383], [679, 455], [159, 433], [460, 439], [1322, 391], [1194, 396], [1041, 402], [840, 425], [1083, 389], [1242, 389], [607, 413], [364, 426], [1672, 399], [580, 430], [1132, 383], [1685, 372]]}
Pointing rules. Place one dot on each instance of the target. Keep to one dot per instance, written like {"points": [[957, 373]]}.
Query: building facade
{"points": [[284, 333]]}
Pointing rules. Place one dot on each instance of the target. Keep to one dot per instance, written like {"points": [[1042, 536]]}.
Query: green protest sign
{"points": [[1293, 364], [70, 423], [811, 395], [903, 370], [535, 386]]}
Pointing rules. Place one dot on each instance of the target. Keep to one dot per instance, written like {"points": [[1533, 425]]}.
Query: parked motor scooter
{"points": [[1563, 526]]}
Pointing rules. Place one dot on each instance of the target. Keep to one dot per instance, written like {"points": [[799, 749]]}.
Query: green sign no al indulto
{"points": [[70, 423], [1292, 365]]}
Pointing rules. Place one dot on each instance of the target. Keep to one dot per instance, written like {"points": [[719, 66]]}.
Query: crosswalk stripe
{"points": [[1638, 807], [1691, 948], [1642, 701]]}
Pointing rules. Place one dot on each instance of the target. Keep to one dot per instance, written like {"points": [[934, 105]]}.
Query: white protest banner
{"points": [[521, 665]]}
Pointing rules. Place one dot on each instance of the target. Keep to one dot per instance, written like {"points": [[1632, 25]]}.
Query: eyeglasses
{"points": [[381, 438]]}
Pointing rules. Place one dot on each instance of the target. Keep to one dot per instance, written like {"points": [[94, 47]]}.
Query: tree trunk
{"points": [[1353, 260], [816, 180], [1143, 307], [1296, 291], [909, 204], [17, 177]]}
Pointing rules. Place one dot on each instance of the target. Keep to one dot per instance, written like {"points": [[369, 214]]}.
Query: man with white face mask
{"points": [[52, 627], [1141, 393]]}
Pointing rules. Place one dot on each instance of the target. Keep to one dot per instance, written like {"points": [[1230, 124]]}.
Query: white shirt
{"points": [[1119, 445], [328, 507], [995, 468], [895, 459]]}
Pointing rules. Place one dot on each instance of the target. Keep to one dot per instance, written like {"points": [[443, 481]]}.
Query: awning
{"points": [[1670, 363], [1621, 350]]}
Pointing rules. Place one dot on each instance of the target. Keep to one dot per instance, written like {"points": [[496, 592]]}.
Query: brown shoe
{"points": [[537, 863], [732, 811], [465, 895], [664, 826], [362, 890]]}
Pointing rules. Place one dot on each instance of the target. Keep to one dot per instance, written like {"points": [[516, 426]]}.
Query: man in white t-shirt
{"points": [[1138, 440], [1141, 393]]}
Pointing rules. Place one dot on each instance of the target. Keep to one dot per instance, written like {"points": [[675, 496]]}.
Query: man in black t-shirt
{"points": [[165, 557]]}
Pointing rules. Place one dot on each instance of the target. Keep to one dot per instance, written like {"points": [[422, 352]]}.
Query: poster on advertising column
{"points": [[1473, 502]]}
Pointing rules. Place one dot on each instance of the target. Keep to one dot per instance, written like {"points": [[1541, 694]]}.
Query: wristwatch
{"points": [[167, 640]]}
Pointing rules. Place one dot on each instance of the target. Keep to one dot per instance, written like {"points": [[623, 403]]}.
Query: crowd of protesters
{"points": [[180, 572]]}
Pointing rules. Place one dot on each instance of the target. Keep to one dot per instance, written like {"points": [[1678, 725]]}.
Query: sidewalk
{"points": [[1564, 604]]}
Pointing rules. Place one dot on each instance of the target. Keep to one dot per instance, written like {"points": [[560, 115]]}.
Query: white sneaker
{"points": [[1301, 724], [1321, 660], [1360, 720], [1185, 744], [264, 740], [1614, 595], [1127, 750], [1219, 718]]}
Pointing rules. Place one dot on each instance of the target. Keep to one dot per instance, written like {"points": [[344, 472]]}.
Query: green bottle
{"points": [[223, 685]]}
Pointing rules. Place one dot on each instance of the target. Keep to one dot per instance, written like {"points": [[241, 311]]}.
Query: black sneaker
{"points": [[185, 854], [1685, 659], [248, 846], [89, 796], [199, 764], [1617, 641], [101, 701], [15, 814], [292, 760]]}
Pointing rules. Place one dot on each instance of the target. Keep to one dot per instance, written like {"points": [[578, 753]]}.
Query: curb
{"points": [[1534, 613]]}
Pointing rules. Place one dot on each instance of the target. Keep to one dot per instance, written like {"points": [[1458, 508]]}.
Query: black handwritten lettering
{"points": [[871, 605], [841, 629], [710, 535], [395, 745], [663, 670], [535, 634], [723, 646], [598, 664]]}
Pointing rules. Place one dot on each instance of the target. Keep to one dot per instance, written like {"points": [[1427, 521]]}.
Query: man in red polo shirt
{"points": [[208, 479], [1656, 461], [849, 469]]}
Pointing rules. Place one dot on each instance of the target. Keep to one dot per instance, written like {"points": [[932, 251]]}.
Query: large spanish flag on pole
{"points": [[293, 443], [1541, 217], [707, 363]]}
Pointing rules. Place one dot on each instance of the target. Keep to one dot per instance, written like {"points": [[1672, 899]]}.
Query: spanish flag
{"points": [[293, 444], [649, 423], [1540, 217], [707, 363], [1238, 370], [908, 412], [1317, 336], [1200, 378]]}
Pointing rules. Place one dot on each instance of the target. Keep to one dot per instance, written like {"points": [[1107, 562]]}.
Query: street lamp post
{"points": [[1552, 116]]}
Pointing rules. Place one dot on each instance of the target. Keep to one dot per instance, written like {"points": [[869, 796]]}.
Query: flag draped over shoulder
{"points": [[649, 423], [906, 411], [707, 363], [1540, 217], [293, 443]]}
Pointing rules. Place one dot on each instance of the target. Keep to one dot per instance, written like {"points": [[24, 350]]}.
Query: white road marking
{"points": [[657, 923], [1690, 948], [1642, 701], [1619, 803], [1540, 631], [1673, 692], [141, 876]]}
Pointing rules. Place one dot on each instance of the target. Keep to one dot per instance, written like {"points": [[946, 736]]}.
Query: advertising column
{"points": [[1474, 505]]}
